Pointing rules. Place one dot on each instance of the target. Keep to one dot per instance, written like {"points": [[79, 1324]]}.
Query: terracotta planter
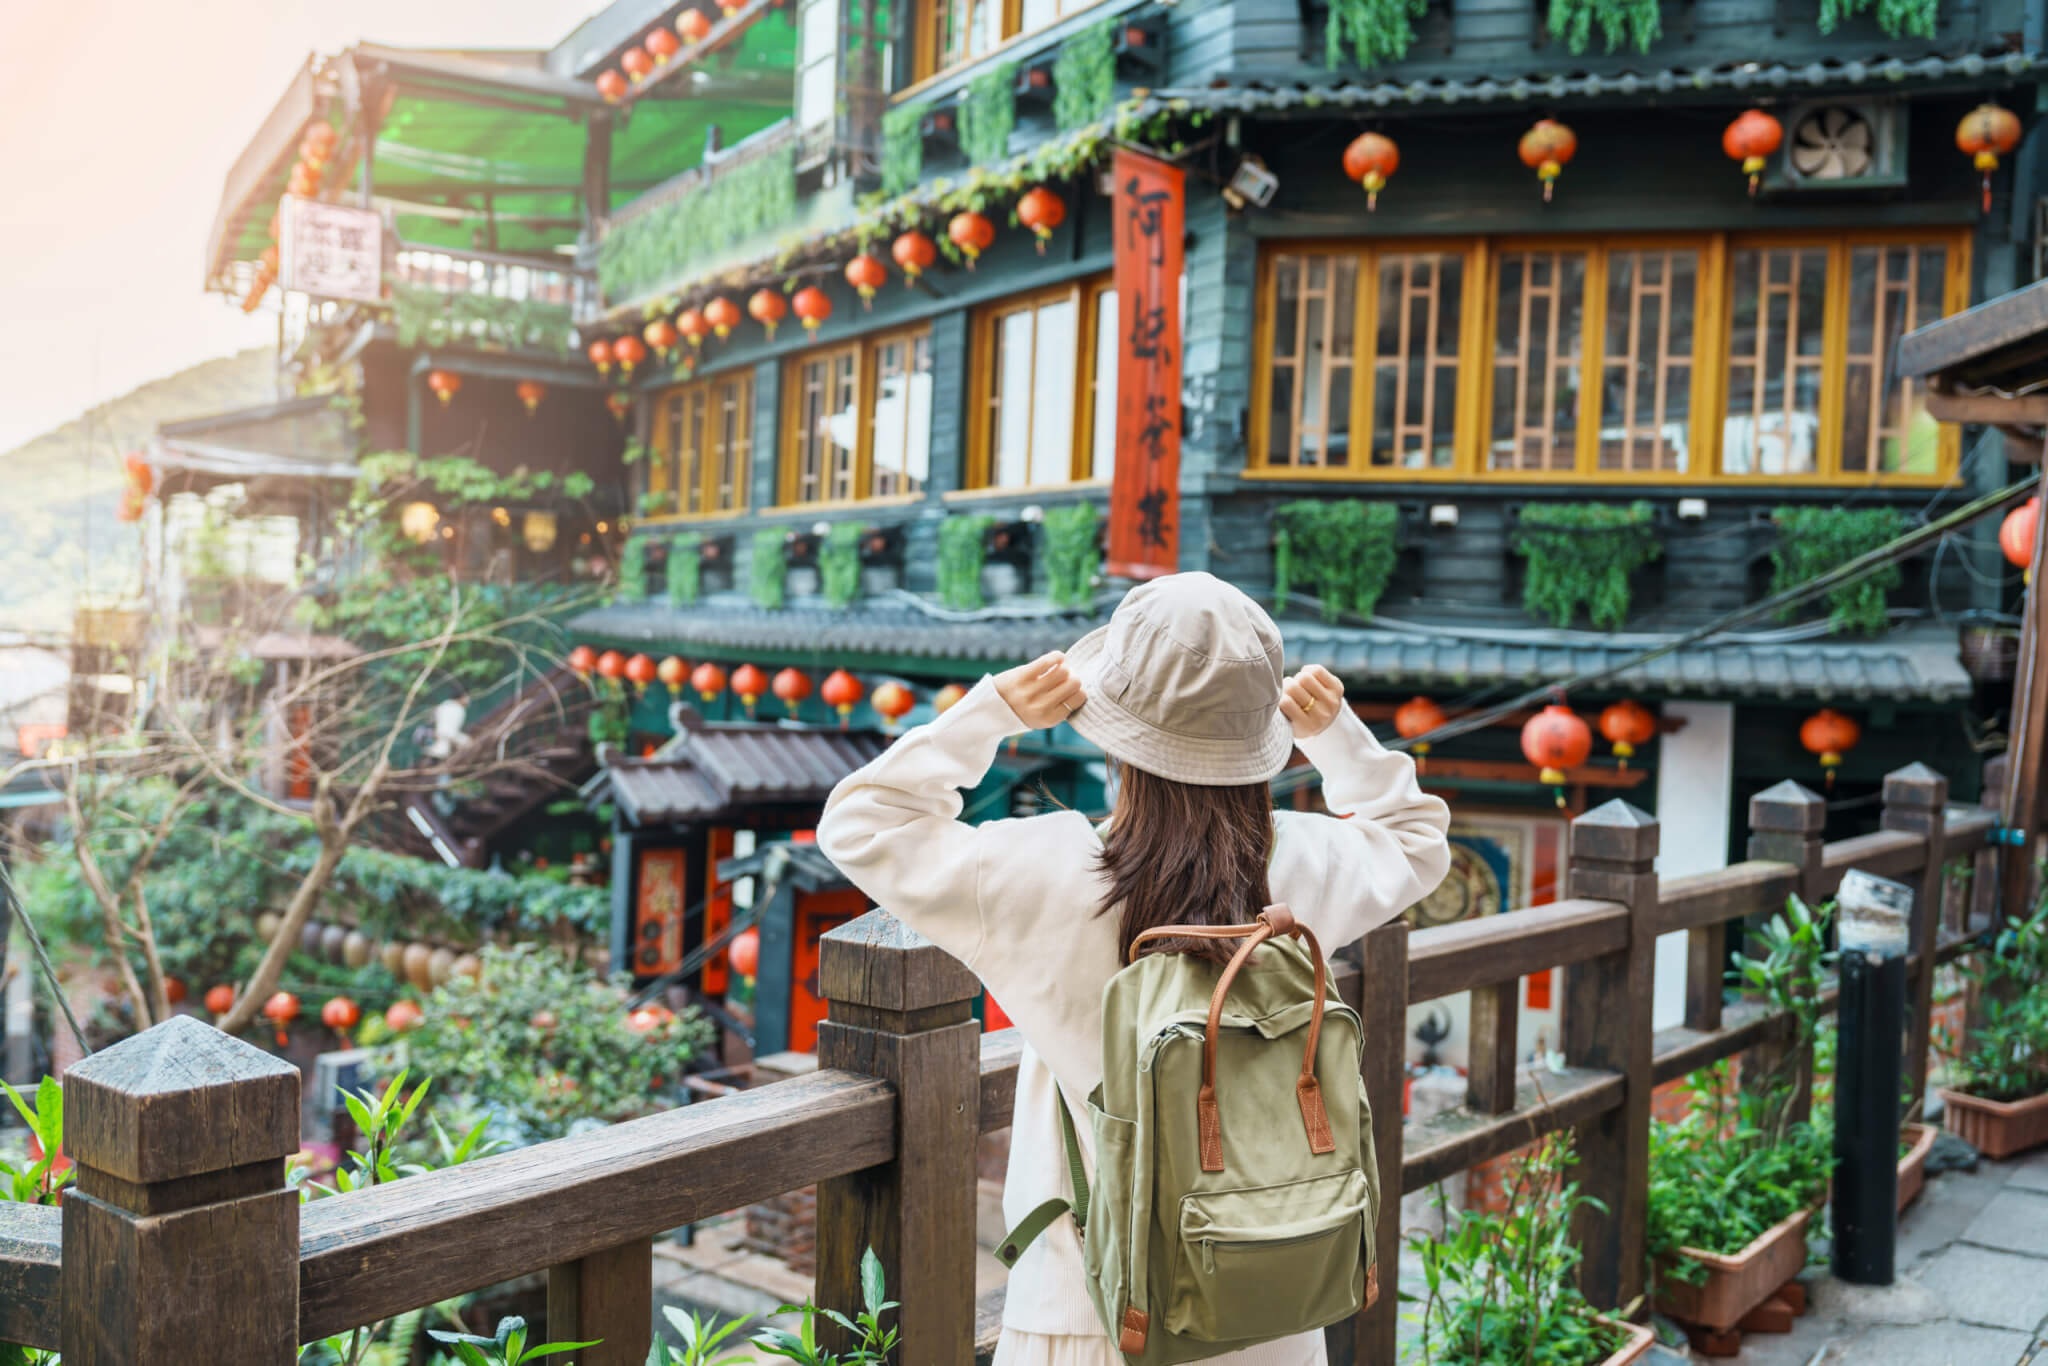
{"points": [[1996, 1128], [1913, 1166], [1640, 1340], [1739, 1283]]}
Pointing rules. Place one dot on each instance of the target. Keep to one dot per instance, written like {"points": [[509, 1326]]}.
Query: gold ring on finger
{"points": [[1309, 705]]}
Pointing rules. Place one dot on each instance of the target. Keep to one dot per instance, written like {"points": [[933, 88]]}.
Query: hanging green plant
{"points": [[1898, 18], [1583, 554], [1071, 553], [632, 586], [685, 568], [1084, 76], [1814, 540], [903, 147], [963, 546], [1343, 550], [647, 250], [1373, 31], [1635, 22], [988, 111], [769, 569], [427, 317], [839, 563]]}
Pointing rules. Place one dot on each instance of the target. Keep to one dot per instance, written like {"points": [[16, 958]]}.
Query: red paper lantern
{"points": [[611, 664], [1545, 149], [691, 324], [693, 25], [221, 999], [972, 233], [600, 353], [281, 1010], [174, 989], [914, 254], [767, 307], [629, 351], [582, 660], [944, 698], [708, 680], [1750, 139], [1829, 734], [637, 62], [745, 952], [640, 671], [813, 306], [620, 404], [892, 701], [612, 86], [866, 274], [322, 134], [531, 392], [444, 383], [1555, 740], [340, 1013], [1627, 725], [1987, 133], [842, 692], [1041, 211], [1416, 717], [662, 45], [723, 315], [673, 673], [661, 334], [792, 686], [2016, 533], [748, 683], [403, 1016], [1371, 160]]}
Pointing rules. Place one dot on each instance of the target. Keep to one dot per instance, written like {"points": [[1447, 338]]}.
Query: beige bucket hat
{"points": [[1184, 682]]}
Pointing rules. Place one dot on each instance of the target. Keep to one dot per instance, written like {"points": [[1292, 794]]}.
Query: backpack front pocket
{"points": [[1273, 1260]]}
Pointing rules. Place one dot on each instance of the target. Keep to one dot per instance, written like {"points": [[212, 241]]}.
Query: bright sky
{"points": [[118, 122]]}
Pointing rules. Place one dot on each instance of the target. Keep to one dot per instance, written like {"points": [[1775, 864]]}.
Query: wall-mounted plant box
{"points": [[882, 545], [1141, 45], [941, 131], [1034, 83], [1010, 543]]}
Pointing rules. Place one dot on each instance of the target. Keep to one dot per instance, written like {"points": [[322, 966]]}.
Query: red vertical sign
{"points": [[1144, 500]]}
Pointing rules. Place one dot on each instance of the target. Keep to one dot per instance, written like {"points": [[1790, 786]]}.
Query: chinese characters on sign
{"points": [[1144, 504], [332, 251]]}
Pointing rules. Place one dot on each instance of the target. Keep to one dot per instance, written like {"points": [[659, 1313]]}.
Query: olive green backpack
{"points": [[1235, 1186]]}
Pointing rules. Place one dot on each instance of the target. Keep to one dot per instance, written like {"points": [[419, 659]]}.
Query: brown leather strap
{"points": [[1193, 932]]}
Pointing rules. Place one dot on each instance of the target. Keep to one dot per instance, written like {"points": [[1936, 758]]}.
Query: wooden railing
{"points": [[182, 1244]]}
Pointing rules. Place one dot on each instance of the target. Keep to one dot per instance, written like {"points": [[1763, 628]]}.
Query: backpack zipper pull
{"points": [[1209, 1256]]}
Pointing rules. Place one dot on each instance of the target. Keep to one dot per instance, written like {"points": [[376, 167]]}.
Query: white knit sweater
{"points": [[1018, 902]]}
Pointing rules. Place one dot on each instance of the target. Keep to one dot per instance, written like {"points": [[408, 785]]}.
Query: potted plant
{"points": [[1999, 1103], [1504, 1287], [1734, 1184]]}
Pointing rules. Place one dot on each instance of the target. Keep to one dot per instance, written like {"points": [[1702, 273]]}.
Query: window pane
{"points": [[1646, 388], [1415, 360], [693, 452], [1771, 425], [1010, 428], [903, 413], [841, 426], [662, 459], [1052, 402], [1038, 13], [1102, 455], [1314, 320], [1539, 300]]}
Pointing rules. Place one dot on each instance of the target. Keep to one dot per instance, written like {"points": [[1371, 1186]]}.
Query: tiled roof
{"points": [[1913, 664], [713, 768]]}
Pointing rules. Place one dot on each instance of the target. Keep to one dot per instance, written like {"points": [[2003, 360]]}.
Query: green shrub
{"points": [[1583, 555], [1343, 550], [1815, 540]]}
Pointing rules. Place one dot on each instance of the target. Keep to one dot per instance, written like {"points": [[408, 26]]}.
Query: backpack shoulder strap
{"points": [[1040, 1219]]}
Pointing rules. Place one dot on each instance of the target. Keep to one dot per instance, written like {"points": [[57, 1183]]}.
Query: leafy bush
{"points": [[1814, 540], [768, 568], [2008, 1055], [963, 548], [839, 563], [1342, 549], [1072, 554], [1583, 554], [871, 1342]]}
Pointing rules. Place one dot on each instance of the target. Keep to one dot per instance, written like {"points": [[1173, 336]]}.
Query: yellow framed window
{"points": [[1045, 380], [857, 420], [729, 456], [901, 404], [1777, 354], [950, 33], [822, 424], [703, 445]]}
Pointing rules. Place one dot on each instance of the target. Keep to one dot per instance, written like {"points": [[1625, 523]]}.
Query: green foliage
{"points": [[839, 563], [963, 547], [643, 252], [538, 1042], [1583, 554], [702, 1339], [1342, 549], [611, 720], [988, 111], [1084, 76], [871, 1342], [1374, 31], [1813, 540], [685, 568], [1502, 1289], [427, 317], [768, 568], [1072, 554], [505, 1348], [38, 1183], [2007, 1058], [1898, 18], [1635, 22], [903, 147], [632, 585]]}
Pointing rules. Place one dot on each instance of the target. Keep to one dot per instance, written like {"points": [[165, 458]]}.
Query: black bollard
{"points": [[1872, 1012]]}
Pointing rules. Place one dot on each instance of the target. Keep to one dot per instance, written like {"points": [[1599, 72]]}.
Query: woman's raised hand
{"points": [[1043, 693], [1311, 700]]}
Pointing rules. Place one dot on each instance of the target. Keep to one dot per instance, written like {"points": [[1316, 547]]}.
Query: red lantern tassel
{"points": [[1987, 192]]}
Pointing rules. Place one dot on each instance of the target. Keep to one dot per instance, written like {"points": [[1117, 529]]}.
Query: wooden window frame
{"points": [[676, 403], [867, 377], [927, 55], [1085, 294], [1713, 319]]}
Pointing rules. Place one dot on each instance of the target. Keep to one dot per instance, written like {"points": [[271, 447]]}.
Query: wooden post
{"points": [[1493, 1059], [608, 1297], [1379, 993], [2023, 772], [1915, 801], [1605, 1023], [181, 1240], [1787, 824], [900, 1008]]}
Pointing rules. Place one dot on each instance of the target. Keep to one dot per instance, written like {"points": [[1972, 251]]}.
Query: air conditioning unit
{"points": [[1834, 145]]}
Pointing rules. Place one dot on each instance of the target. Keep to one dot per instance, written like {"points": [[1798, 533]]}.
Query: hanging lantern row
{"points": [[658, 48], [141, 478], [316, 150], [842, 690], [1556, 739]]}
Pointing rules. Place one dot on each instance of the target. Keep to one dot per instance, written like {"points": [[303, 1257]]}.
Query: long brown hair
{"points": [[1182, 854]]}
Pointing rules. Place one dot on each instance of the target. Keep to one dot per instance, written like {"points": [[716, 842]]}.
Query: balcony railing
{"points": [[487, 299]]}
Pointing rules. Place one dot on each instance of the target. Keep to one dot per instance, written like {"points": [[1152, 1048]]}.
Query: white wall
{"points": [[1695, 786]]}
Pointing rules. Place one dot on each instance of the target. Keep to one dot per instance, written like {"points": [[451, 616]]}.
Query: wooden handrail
{"points": [[31, 1259], [1684, 903], [1446, 959]]}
